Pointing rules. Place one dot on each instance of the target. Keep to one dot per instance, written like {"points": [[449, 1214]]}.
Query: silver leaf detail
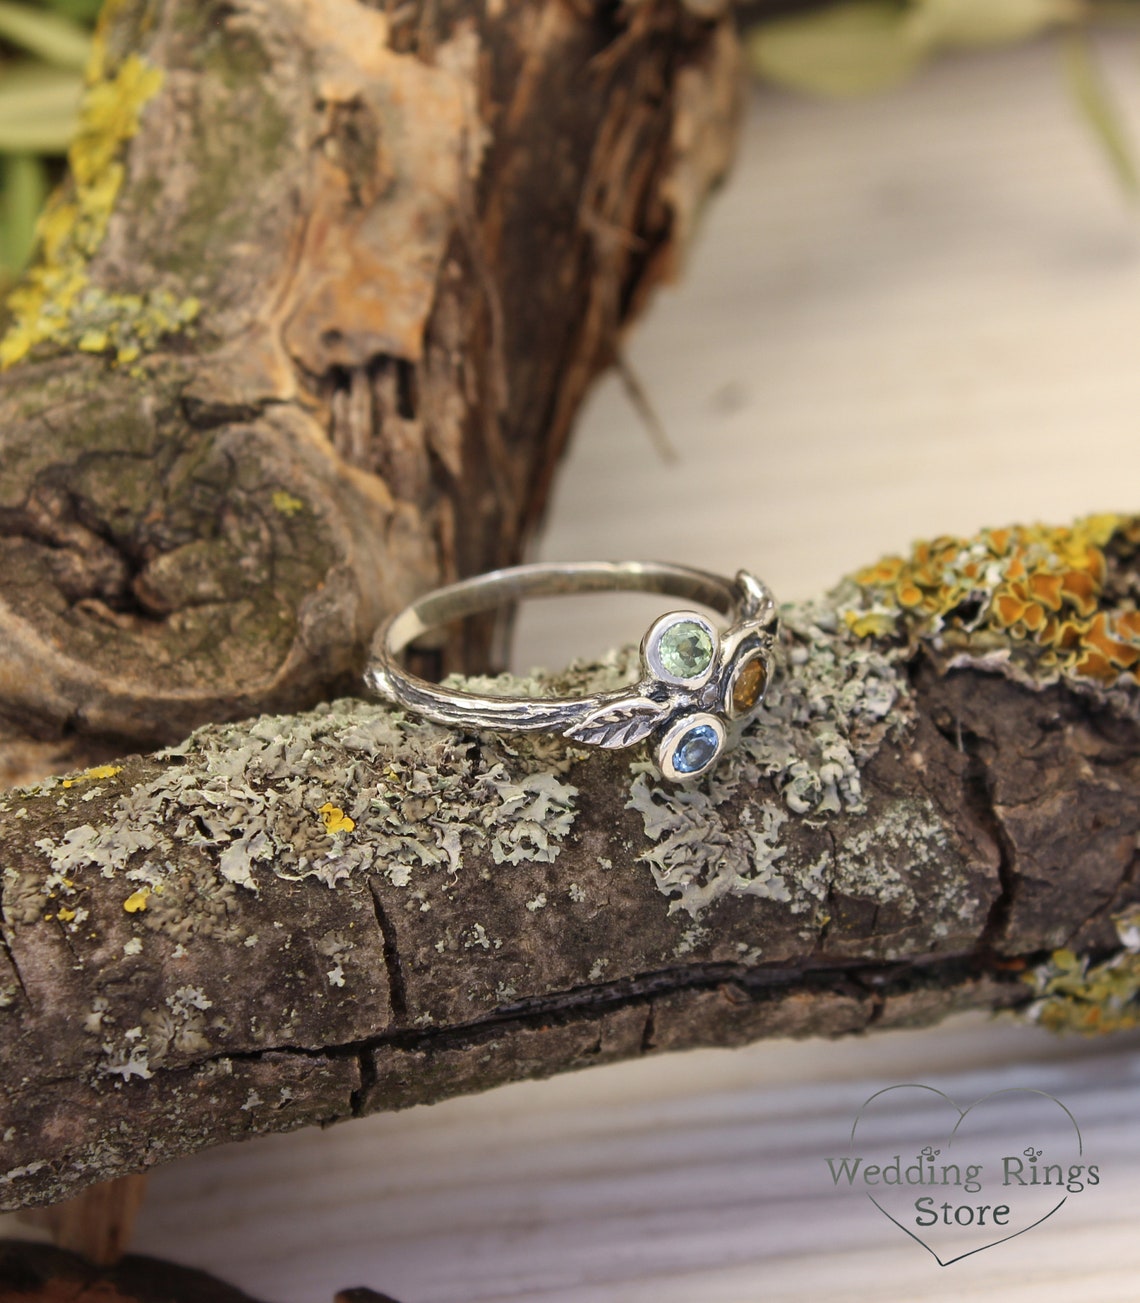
{"points": [[620, 724]]}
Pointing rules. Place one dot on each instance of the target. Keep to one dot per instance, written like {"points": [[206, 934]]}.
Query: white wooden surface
{"points": [[908, 316]]}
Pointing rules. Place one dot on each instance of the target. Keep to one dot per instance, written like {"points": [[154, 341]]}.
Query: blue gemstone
{"points": [[695, 749]]}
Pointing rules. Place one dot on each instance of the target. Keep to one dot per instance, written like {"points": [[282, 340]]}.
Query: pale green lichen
{"points": [[862, 858], [127, 1058], [56, 301], [353, 788], [179, 1027], [1075, 994], [25, 897], [825, 716], [329, 795], [25, 1169], [834, 703]]}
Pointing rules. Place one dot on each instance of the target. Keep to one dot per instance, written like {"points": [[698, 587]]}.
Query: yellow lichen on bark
{"points": [[56, 301], [334, 819], [1075, 993], [1037, 590], [136, 901], [89, 775]]}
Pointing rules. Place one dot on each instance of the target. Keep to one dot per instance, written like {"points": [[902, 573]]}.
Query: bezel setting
{"points": [[742, 662], [674, 736], [651, 648]]}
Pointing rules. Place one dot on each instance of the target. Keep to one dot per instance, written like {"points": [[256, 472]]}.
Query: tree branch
{"points": [[308, 326], [306, 918]]}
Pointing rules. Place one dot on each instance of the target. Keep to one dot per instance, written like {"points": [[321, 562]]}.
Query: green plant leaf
{"points": [[38, 108], [1091, 94], [24, 187], [49, 35], [38, 88], [968, 24], [852, 49], [79, 11]]}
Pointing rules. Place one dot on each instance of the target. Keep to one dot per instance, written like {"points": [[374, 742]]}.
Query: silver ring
{"points": [[698, 684]]}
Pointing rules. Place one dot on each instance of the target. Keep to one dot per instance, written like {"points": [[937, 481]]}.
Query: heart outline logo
{"points": [[962, 1115]]}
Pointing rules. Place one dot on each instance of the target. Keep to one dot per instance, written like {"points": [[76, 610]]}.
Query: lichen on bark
{"points": [[307, 917], [297, 300], [56, 303]]}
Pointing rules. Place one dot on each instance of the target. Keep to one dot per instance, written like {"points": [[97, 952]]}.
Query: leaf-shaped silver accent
{"points": [[620, 723]]}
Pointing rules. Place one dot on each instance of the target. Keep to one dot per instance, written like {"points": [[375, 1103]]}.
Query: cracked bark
{"points": [[300, 1003], [310, 340], [215, 527], [415, 236]]}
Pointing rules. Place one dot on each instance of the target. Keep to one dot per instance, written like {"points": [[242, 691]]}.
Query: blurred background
{"points": [[912, 311]]}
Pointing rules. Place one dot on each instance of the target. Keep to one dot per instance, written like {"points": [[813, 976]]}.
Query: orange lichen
{"points": [[1033, 617], [1036, 589], [1046, 588], [1100, 636], [1008, 608]]}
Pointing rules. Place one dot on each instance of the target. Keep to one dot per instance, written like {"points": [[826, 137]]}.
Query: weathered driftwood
{"points": [[306, 918], [307, 330], [38, 1273]]}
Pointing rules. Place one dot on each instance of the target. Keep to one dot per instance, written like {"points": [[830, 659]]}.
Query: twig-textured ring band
{"points": [[698, 680]]}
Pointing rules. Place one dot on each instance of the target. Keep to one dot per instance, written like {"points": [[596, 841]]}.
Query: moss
{"points": [[1035, 594], [238, 150], [56, 303]]}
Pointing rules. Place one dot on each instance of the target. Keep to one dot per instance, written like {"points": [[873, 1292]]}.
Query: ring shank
{"points": [[499, 587], [744, 598]]}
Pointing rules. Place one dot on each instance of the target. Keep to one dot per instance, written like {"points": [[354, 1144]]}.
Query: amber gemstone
{"points": [[749, 686]]}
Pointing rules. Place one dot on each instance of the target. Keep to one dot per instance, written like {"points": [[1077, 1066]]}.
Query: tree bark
{"points": [[308, 329], [311, 917], [38, 1273], [308, 326]]}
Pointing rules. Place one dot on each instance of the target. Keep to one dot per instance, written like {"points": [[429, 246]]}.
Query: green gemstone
{"points": [[686, 649]]}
